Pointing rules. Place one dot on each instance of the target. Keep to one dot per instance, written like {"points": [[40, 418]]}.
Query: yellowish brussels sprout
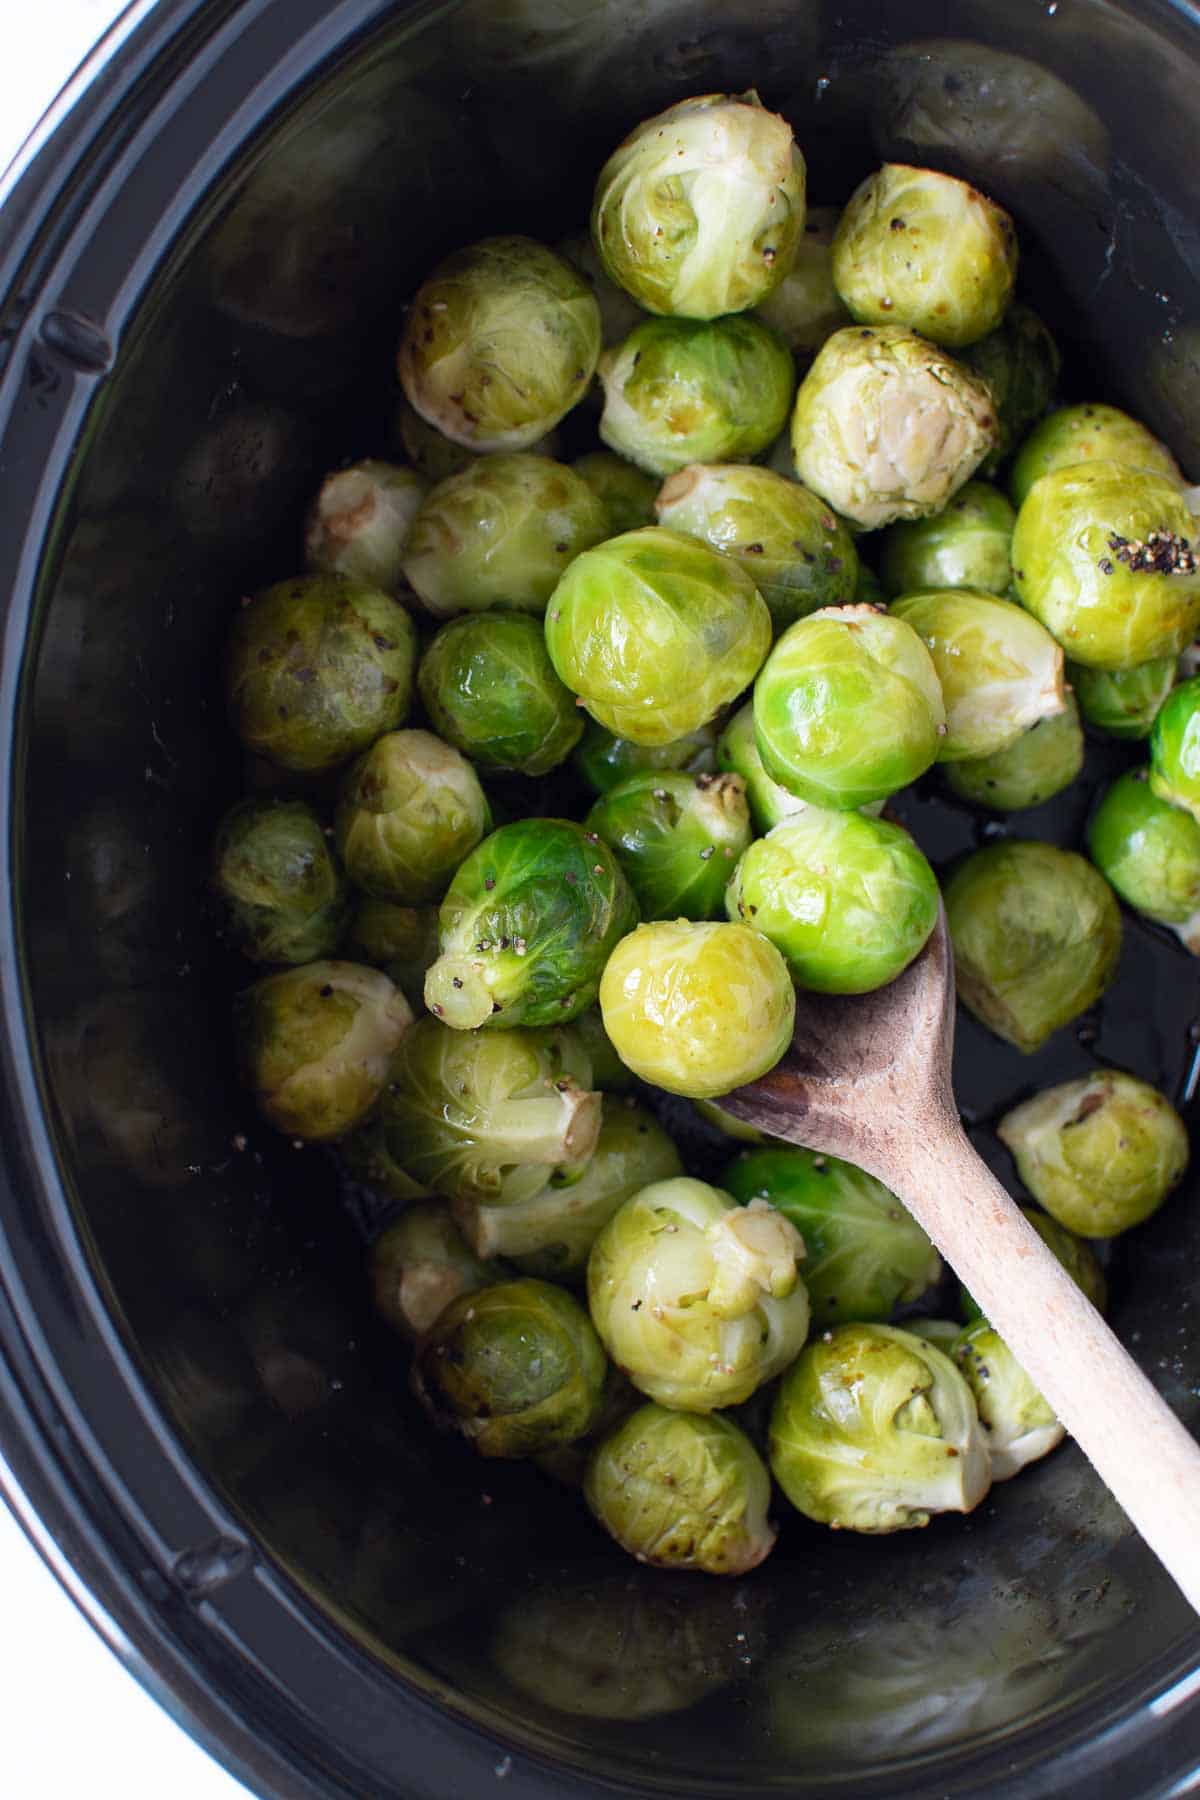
{"points": [[1018, 1424], [939, 1332], [500, 534], [1088, 433], [283, 896], [806, 308], [500, 342], [400, 940], [886, 426], [1041, 763], [1100, 1153], [619, 311], [665, 997], [409, 811], [625, 492], [738, 753], [420, 1264], [1123, 703], [699, 212], [919, 248], [696, 1298], [430, 453], [964, 546], [359, 523], [999, 670], [1150, 851]]}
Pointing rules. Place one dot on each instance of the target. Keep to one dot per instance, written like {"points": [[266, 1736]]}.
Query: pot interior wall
{"points": [[261, 354]]}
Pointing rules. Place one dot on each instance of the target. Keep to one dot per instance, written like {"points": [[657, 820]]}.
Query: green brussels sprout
{"points": [[1123, 703], [1076, 1257], [737, 753], [608, 1071], [1000, 671], [806, 308], [678, 391], [1102, 556], [500, 534], [625, 493], [314, 1045], [1085, 434], [619, 312], [864, 1254], [1150, 852], [676, 837], [665, 997], [696, 1298], [1036, 934], [1018, 1425], [682, 1490], [964, 546], [868, 590], [431, 454], [875, 1430], [400, 940], [700, 211], [916, 247], [317, 668], [1175, 748], [848, 707], [366, 1156], [408, 812], [709, 627], [499, 344], [604, 761], [1041, 763], [551, 1233], [489, 688], [515, 1367], [359, 522], [1020, 363], [887, 427], [283, 897], [489, 1116], [848, 901], [941, 1333], [1100, 1153], [527, 926], [798, 554], [420, 1264]]}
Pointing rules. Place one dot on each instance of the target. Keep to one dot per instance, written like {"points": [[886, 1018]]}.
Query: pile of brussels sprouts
{"points": [[566, 773]]}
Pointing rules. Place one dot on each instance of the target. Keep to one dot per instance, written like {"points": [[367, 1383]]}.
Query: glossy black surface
{"points": [[203, 275]]}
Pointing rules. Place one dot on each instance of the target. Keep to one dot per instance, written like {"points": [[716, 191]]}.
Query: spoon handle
{"points": [[1142, 1452]]}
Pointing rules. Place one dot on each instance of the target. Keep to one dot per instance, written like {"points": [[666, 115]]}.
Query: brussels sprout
{"points": [[420, 1264], [431, 454], [551, 1233], [678, 391], [806, 308], [515, 1367], [919, 248], [314, 1045], [407, 814], [728, 1126], [1020, 363], [1036, 935], [849, 901], [499, 344], [489, 1116], [608, 1071], [1123, 703], [1076, 1257], [400, 940], [489, 689], [875, 1430], [500, 534], [696, 1298], [682, 1490], [567, 1463], [619, 312], [676, 837], [848, 707], [1000, 671], [864, 1254], [1041, 763], [1175, 748], [1150, 852], [626, 495], [887, 427], [965, 546], [1084, 434], [283, 897], [317, 668], [1018, 1425], [941, 1333], [359, 523], [796, 552], [1102, 556], [527, 926], [700, 211], [737, 752], [709, 627], [1100, 1153], [604, 761], [366, 1156], [665, 997]]}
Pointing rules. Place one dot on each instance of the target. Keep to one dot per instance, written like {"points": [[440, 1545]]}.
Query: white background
{"points": [[73, 1722]]}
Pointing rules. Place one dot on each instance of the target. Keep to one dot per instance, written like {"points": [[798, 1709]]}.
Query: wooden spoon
{"points": [[868, 1079]]}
